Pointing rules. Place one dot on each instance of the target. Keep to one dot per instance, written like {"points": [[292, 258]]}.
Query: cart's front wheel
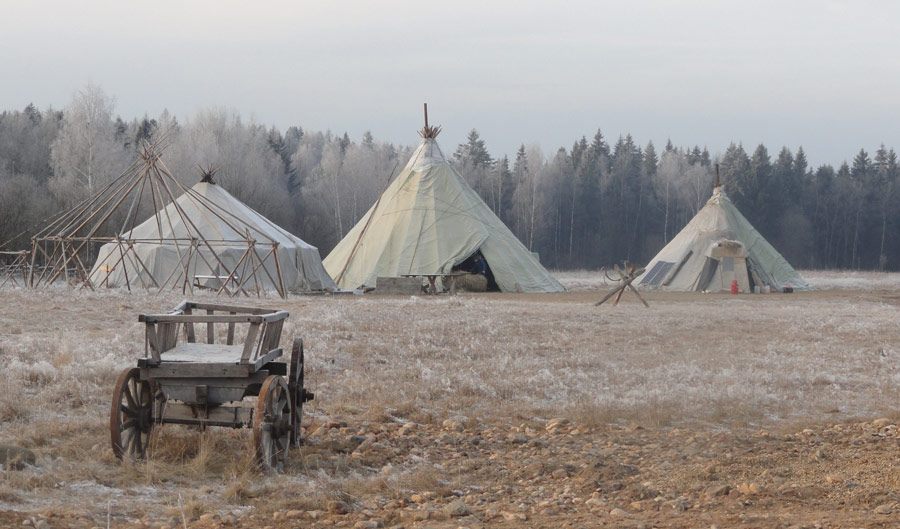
{"points": [[272, 424], [131, 415]]}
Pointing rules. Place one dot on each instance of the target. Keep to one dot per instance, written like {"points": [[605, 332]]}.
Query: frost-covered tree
{"points": [[86, 154]]}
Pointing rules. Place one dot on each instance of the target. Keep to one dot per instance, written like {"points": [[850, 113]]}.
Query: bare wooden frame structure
{"points": [[626, 276], [15, 269], [64, 249]]}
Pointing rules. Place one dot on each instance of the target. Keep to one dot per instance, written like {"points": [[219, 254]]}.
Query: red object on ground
{"points": [[734, 286]]}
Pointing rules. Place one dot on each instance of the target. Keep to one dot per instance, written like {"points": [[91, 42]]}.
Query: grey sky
{"points": [[821, 73]]}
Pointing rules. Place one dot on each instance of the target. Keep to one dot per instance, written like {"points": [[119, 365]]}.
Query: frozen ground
{"points": [[819, 279], [499, 363]]}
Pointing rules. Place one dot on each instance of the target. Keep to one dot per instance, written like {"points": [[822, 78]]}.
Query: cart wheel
{"points": [[131, 415], [272, 424], [298, 395]]}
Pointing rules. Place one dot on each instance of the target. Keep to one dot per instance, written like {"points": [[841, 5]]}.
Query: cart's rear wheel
{"points": [[272, 424], [131, 415], [298, 393]]}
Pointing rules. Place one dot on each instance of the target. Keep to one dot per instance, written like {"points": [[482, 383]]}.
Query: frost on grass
{"points": [[704, 361], [850, 280]]}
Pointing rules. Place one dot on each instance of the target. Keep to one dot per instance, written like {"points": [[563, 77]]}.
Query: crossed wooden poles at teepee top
{"points": [[626, 276], [62, 242]]}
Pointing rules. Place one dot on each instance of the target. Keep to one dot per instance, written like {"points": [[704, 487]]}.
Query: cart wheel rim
{"points": [[296, 389], [131, 416], [272, 424]]}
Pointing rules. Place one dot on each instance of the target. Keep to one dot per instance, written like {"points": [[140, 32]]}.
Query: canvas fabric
{"points": [[426, 222], [719, 220], [209, 213]]}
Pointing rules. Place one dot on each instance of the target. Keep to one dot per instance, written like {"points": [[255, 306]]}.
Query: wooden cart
{"points": [[207, 382]]}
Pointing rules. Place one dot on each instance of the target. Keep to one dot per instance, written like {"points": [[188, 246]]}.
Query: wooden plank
{"points": [[152, 342], [266, 358], [210, 329], [204, 318], [221, 307], [234, 416], [250, 342], [201, 352], [189, 328], [230, 339], [194, 370]]}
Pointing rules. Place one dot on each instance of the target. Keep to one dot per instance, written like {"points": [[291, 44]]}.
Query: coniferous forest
{"points": [[600, 200]]}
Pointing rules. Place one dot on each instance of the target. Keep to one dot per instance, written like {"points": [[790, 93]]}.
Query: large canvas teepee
{"points": [[427, 221], [200, 236], [716, 247]]}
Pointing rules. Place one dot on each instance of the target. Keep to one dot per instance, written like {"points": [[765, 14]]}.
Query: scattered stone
{"points": [[518, 439], [881, 423], [886, 508], [514, 516], [681, 504], [718, 491], [453, 425], [618, 513], [555, 424], [457, 509], [421, 497], [595, 503], [368, 524], [748, 488], [338, 507]]}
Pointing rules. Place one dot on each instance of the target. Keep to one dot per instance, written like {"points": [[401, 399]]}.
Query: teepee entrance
{"points": [[725, 262]]}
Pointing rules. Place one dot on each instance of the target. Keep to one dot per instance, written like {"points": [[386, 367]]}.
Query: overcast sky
{"points": [[822, 74]]}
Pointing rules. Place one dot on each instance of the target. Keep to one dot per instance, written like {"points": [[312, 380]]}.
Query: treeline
{"points": [[585, 206]]}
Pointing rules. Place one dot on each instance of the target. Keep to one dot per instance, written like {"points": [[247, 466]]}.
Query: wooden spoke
{"points": [[271, 424], [297, 391], [131, 415]]}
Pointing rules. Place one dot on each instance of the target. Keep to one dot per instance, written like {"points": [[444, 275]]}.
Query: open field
{"points": [[489, 410]]}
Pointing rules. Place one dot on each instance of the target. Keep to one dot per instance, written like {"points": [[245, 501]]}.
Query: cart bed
{"points": [[202, 353]]}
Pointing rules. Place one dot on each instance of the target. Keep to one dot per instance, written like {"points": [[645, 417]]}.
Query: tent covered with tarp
{"points": [[719, 246], [211, 239], [193, 237], [428, 221]]}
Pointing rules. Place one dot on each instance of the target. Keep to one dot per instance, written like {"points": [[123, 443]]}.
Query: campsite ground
{"points": [[489, 410]]}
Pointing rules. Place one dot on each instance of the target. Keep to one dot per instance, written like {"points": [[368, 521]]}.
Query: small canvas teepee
{"points": [[195, 237], [427, 221], [716, 247]]}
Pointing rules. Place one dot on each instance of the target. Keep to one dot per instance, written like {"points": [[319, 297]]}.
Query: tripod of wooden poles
{"points": [[624, 276]]}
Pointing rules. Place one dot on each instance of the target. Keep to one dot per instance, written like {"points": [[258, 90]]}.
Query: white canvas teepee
{"points": [[426, 222], [716, 247], [208, 233]]}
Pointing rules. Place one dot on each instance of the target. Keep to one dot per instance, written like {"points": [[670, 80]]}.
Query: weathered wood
{"points": [[250, 342], [203, 370], [626, 276], [227, 416], [189, 328], [214, 318], [266, 358], [210, 329], [230, 339], [203, 353]]}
